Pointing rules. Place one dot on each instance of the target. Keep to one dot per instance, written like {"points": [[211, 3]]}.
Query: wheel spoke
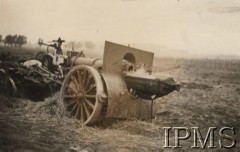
{"points": [[86, 109], [79, 76], [91, 88], [73, 89], [82, 113], [89, 103], [84, 77], [72, 102], [90, 96], [77, 112], [80, 80], [69, 96], [75, 82], [75, 106], [88, 81]]}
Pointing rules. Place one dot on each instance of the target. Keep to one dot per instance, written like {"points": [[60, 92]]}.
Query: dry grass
{"points": [[51, 114], [209, 96]]}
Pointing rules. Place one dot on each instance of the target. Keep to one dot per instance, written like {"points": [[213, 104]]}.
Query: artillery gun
{"points": [[95, 89]]}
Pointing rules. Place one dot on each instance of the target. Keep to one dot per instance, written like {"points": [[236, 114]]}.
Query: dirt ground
{"points": [[209, 97]]}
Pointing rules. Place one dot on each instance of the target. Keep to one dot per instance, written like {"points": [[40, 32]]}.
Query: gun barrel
{"points": [[151, 88]]}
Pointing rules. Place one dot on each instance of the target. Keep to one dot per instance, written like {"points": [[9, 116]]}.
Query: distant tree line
{"points": [[14, 40]]}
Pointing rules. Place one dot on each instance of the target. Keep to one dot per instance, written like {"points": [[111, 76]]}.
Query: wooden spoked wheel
{"points": [[40, 56], [81, 93]]}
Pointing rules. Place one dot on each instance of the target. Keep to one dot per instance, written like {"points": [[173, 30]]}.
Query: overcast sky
{"points": [[195, 26]]}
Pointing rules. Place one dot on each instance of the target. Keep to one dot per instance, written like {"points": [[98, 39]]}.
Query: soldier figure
{"points": [[57, 45]]}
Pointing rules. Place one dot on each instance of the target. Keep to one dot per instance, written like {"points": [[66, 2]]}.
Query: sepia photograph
{"points": [[120, 75]]}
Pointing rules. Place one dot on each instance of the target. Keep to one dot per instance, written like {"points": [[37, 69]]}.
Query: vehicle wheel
{"points": [[82, 93], [40, 56]]}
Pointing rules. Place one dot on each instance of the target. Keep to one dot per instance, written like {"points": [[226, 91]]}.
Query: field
{"points": [[209, 97]]}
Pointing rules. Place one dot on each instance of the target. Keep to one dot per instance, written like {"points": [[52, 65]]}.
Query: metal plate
{"points": [[120, 103]]}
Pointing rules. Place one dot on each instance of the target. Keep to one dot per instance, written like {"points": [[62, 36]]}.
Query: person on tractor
{"points": [[53, 61], [57, 45]]}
